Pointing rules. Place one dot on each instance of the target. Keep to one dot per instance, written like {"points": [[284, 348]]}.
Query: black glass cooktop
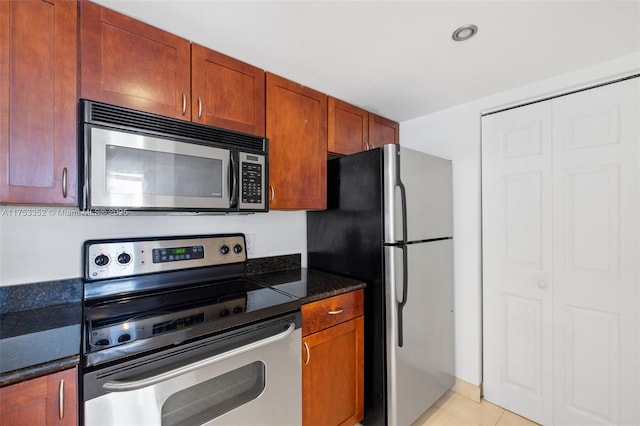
{"points": [[129, 325]]}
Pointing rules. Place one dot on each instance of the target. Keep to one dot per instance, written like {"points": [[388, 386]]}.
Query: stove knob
{"points": [[237, 249], [224, 249], [124, 338], [102, 342], [224, 313], [101, 260], [238, 309], [124, 258]]}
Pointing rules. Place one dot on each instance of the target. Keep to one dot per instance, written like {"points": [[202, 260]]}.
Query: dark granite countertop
{"points": [[39, 329], [308, 284], [40, 323]]}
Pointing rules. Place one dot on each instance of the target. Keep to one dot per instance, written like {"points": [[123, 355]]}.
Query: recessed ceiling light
{"points": [[465, 32]]}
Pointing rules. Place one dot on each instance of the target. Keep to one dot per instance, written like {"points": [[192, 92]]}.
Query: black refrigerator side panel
{"points": [[347, 239]]}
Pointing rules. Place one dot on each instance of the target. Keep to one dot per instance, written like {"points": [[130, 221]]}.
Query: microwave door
{"points": [[129, 170]]}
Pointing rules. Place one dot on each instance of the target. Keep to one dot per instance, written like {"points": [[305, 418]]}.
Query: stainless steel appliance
{"points": [[139, 161], [174, 334], [389, 222]]}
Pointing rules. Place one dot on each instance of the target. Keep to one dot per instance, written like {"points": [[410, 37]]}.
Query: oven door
{"points": [[129, 170], [250, 376]]}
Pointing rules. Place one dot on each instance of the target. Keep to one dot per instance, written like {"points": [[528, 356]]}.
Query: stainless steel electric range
{"points": [[175, 334]]}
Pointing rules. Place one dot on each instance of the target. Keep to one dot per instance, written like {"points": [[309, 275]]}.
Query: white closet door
{"points": [[516, 214], [595, 260]]}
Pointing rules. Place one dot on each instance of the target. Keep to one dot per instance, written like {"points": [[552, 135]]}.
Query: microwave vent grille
{"points": [[140, 121]]}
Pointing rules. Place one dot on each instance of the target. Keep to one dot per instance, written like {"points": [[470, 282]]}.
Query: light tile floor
{"points": [[456, 410]]}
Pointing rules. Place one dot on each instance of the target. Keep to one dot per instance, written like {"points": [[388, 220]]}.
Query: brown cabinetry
{"points": [[226, 92], [353, 129], [382, 131], [297, 132], [128, 63], [348, 128], [333, 361], [49, 400], [38, 94]]}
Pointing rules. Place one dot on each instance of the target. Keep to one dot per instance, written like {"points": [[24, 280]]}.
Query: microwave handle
{"points": [[233, 178]]}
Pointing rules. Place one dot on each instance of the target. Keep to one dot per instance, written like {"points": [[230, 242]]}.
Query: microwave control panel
{"points": [[252, 181]]}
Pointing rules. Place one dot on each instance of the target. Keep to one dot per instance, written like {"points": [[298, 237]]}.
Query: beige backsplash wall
{"points": [[49, 247]]}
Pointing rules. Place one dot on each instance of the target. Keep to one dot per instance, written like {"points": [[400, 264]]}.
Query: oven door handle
{"points": [[123, 386]]}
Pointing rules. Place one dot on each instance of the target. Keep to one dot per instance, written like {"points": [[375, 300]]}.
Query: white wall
{"points": [[455, 134], [34, 249]]}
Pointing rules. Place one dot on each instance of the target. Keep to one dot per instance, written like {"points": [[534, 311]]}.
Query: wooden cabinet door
{"points": [[128, 63], [297, 132], [49, 400], [38, 95], [382, 131], [348, 128], [333, 375], [226, 92]]}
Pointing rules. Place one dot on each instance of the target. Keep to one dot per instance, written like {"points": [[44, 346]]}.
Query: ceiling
{"points": [[397, 58]]}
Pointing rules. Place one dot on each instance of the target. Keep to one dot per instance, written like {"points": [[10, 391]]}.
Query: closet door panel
{"points": [[516, 190], [595, 263]]}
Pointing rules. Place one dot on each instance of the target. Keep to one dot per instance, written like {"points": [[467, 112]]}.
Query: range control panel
{"points": [[122, 258]]}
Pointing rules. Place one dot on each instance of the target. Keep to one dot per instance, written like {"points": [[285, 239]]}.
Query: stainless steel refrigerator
{"points": [[389, 223]]}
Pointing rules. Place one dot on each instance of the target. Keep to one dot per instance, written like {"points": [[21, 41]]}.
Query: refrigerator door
{"points": [[420, 357], [418, 196]]}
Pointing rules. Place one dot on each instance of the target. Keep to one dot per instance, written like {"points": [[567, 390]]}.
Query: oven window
{"points": [[145, 172], [211, 399]]}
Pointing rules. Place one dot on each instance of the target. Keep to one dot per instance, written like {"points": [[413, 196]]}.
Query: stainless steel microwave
{"points": [[139, 161]]}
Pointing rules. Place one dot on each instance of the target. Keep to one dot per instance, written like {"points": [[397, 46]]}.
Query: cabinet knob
{"points": [[542, 284]]}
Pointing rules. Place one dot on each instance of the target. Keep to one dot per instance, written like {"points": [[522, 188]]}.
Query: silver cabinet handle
{"points": [[64, 182], [199, 107], [306, 347], [339, 311], [273, 193], [184, 103], [61, 400], [123, 386]]}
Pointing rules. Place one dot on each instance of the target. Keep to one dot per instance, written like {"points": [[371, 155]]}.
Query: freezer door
{"points": [[420, 357], [418, 195]]}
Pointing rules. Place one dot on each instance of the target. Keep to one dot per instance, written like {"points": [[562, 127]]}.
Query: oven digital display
{"points": [[174, 254]]}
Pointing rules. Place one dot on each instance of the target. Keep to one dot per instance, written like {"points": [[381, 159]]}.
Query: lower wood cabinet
{"points": [[48, 400], [333, 361]]}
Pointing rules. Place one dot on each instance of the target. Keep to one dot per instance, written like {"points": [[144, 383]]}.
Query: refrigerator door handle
{"points": [[403, 210], [405, 290]]}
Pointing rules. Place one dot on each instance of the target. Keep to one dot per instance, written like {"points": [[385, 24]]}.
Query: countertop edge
{"points": [[32, 372]]}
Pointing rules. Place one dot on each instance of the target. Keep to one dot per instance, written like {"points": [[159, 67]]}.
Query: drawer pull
{"points": [[61, 400], [64, 182], [308, 353], [339, 311], [184, 103]]}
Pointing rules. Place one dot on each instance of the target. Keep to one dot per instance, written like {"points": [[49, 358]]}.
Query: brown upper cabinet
{"points": [[348, 128], [297, 132], [38, 97], [226, 92], [129, 63], [382, 131]]}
